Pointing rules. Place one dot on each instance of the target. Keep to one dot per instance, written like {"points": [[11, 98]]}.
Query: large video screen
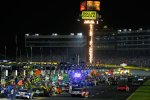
{"points": [[90, 6], [93, 5]]}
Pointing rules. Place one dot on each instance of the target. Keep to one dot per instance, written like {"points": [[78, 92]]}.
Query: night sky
{"points": [[18, 18]]}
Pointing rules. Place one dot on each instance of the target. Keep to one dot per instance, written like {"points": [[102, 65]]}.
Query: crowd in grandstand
{"points": [[139, 59]]}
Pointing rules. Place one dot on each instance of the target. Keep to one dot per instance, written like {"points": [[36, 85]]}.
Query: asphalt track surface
{"points": [[101, 92]]}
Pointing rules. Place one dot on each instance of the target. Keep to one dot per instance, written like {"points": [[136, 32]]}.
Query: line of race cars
{"points": [[74, 89]]}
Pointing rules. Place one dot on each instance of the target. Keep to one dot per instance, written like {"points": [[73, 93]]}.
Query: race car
{"points": [[85, 93], [79, 92], [123, 88], [24, 93], [38, 92], [3, 93], [64, 87], [58, 90]]}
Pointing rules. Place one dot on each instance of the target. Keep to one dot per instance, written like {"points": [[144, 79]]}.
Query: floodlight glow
{"points": [[6, 72], [16, 72], [123, 64], [89, 22], [54, 34], [36, 34], [71, 33], [27, 34], [79, 34], [126, 71], [24, 72], [77, 75]]}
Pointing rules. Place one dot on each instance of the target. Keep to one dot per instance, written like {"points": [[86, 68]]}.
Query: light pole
{"points": [[5, 52], [90, 16], [41, 53], [16, 46], [78, 59], [31, 53], [20, 55], [27, 54]]}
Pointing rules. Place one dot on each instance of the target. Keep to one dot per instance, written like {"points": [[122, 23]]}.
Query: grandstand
{"points": [[129, 46], [63, 48], [110, 47]]}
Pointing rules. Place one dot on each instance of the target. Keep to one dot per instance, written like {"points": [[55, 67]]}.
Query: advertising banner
{"points": [[89, 15]]}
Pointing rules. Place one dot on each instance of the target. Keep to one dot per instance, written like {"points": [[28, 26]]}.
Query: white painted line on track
{"points": [[132, 94]]}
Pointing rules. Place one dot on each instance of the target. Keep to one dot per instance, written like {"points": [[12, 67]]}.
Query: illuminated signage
{"points": [[89, 15], [93, 5], [83, 6], [90, 6]]}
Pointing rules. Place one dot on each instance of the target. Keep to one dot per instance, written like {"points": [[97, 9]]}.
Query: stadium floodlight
{"points": [[71, 33], [36, 34], [119, 30], [26, 34], [54, 34], [79, 34], [140, 29], [130, 29]]}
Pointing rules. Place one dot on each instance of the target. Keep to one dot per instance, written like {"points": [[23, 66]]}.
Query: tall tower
{"points": [[90, 13]]}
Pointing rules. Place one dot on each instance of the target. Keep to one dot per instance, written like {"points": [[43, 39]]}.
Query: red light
{"points": [[83, 6]]}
